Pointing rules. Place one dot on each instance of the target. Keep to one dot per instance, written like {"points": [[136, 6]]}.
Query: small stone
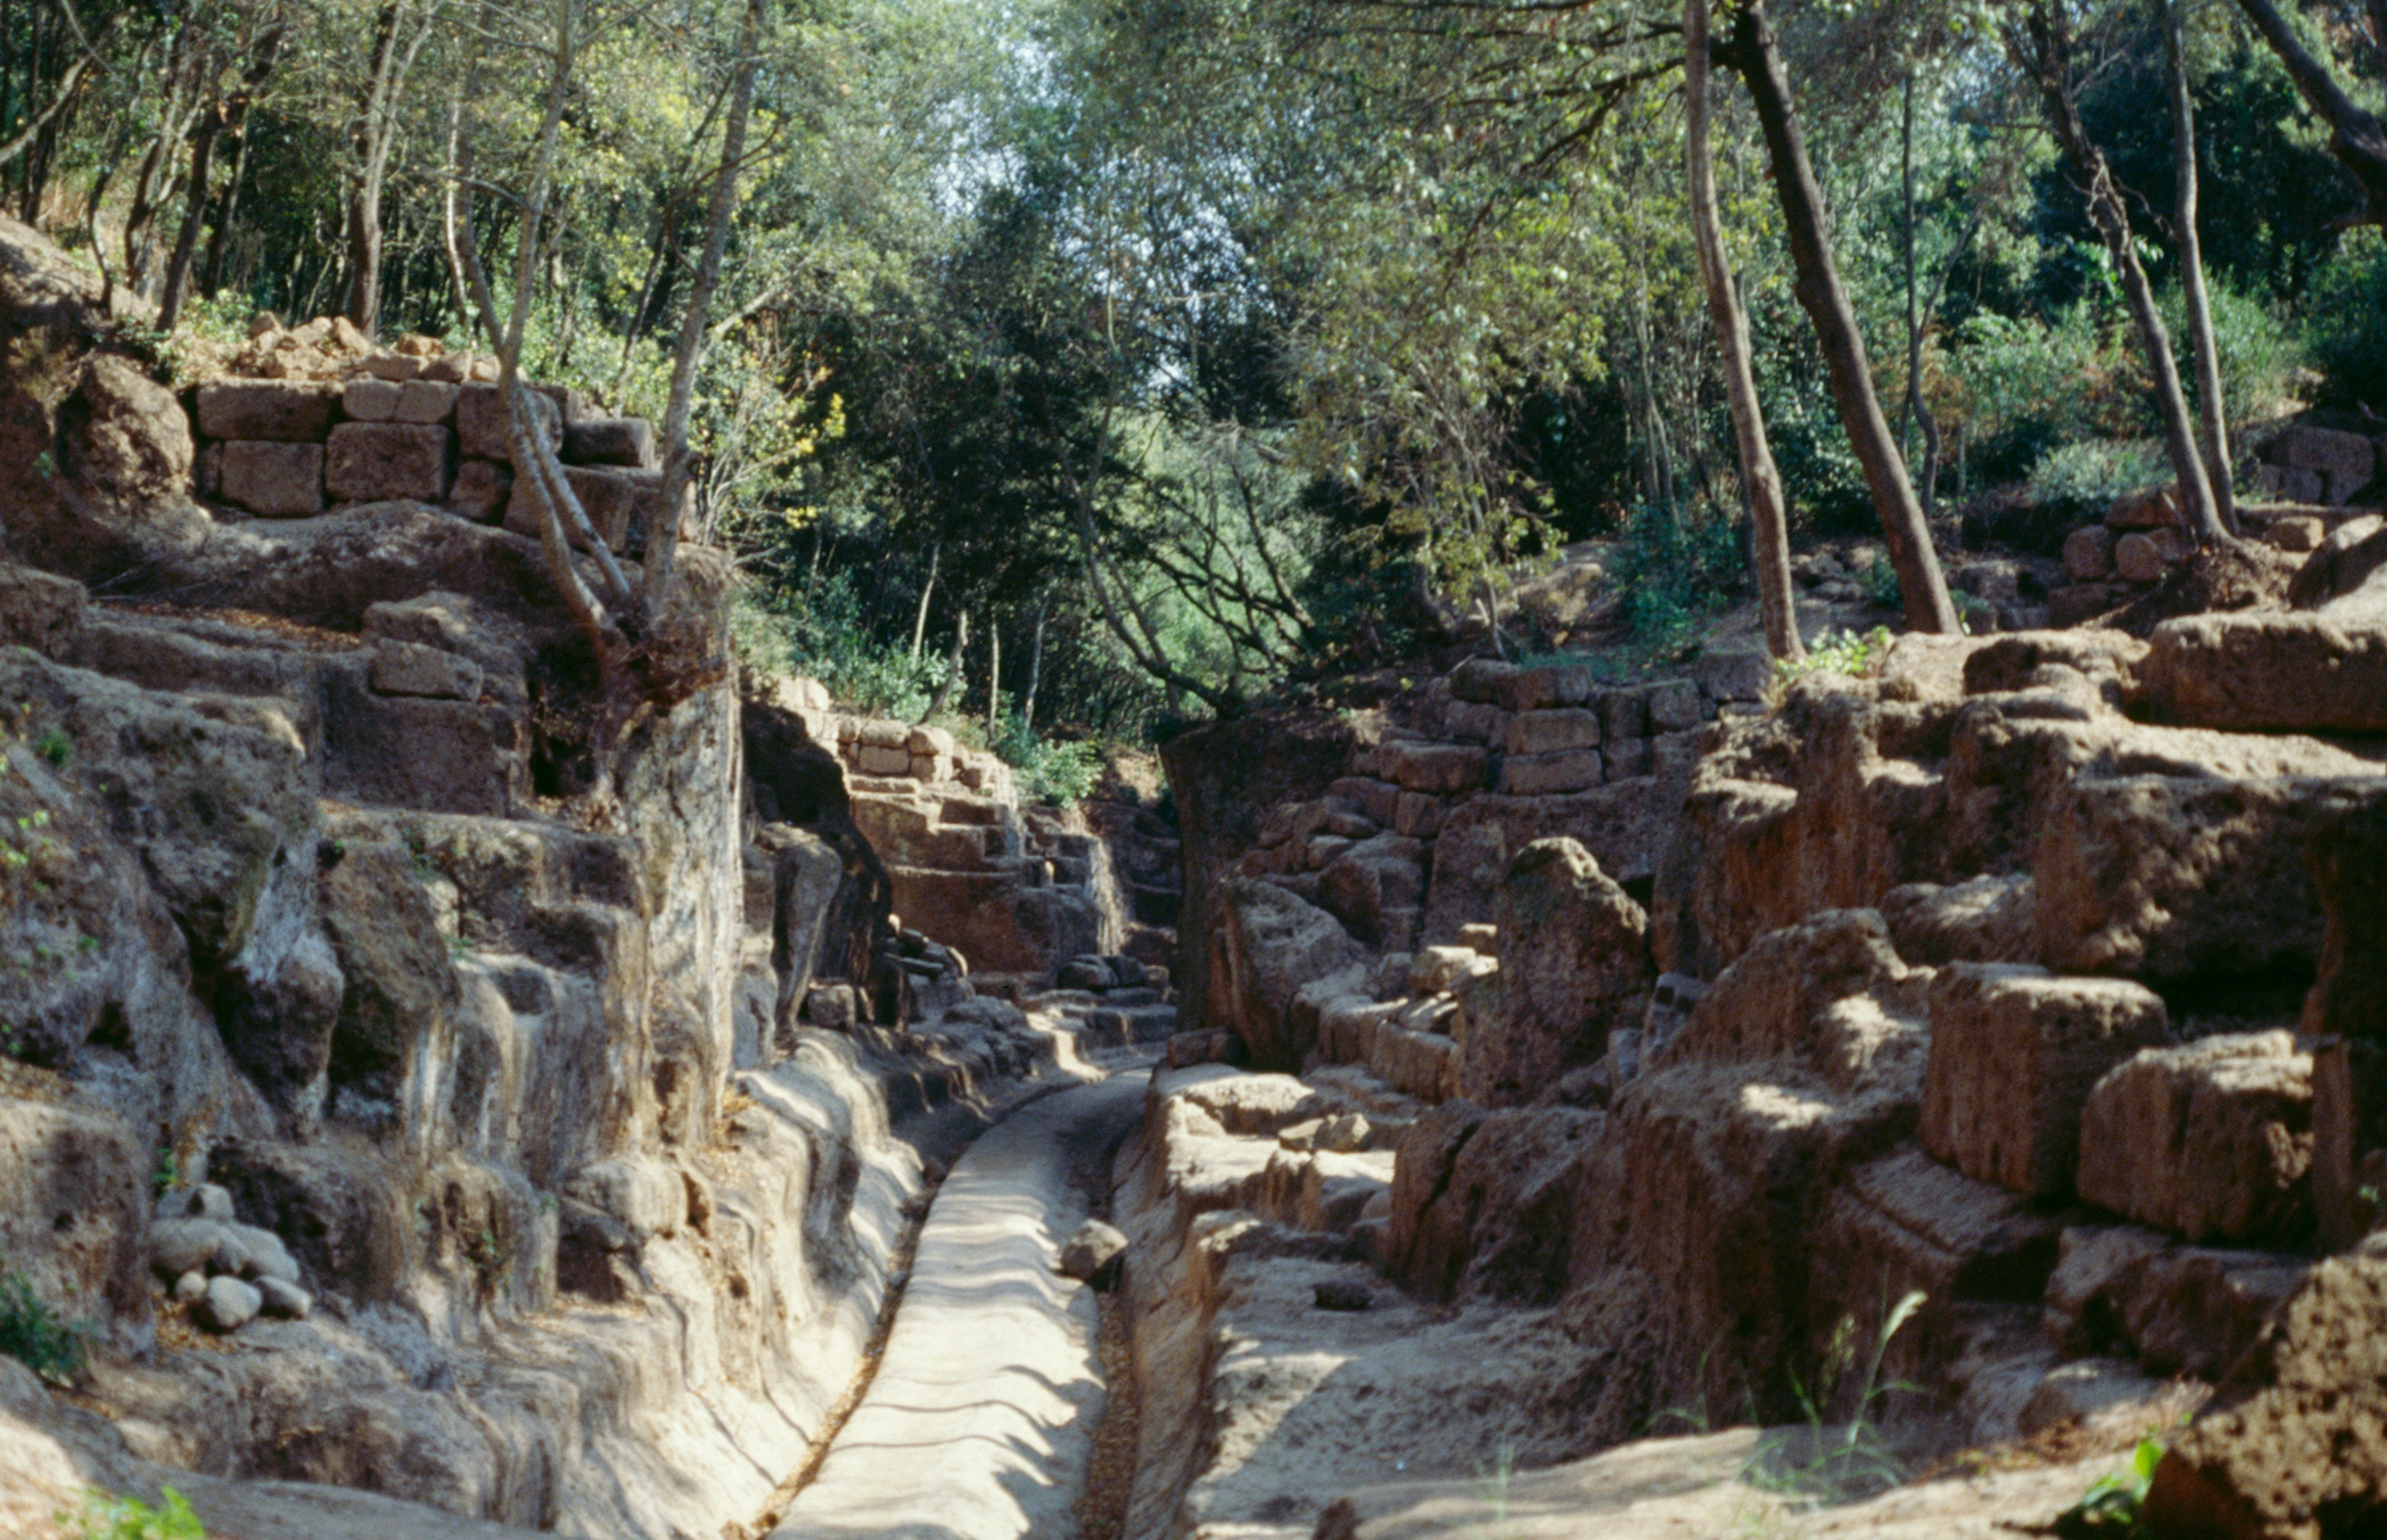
{"points": [[177, 1246], [265, 1256], [279, 1297], [190, 1288], [1342, 1294], [228, 1305], [262, 323], [203, 1201], [1092, 1251], [2088, 553]]}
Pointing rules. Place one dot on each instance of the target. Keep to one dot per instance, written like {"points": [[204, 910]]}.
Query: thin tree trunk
{"points": [[1760, 482], [2357, 138], [2213, 410], [927, 592], [951, 683], [1923, 589], [458, 293], [195, 214], [1035, 665], [993, 682], [1917, 414], [662, 545], [2050, 62]]}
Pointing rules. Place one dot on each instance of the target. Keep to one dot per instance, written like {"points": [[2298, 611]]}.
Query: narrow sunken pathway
{"points": [[979, 1422]]}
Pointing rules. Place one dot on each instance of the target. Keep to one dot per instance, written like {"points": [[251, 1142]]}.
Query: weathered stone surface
{"points": [[425, 401], [617, 501], [481, 490], [1271, 945], [1574, 964], [2145, 556], [379, 461], [228, 1305], [611, 441], [278, 480], [1674, 706], [2149, 508], [287, 412], [1906, 1222], [2088, 553], [1985, 919], [279, 1297], [1548, 732], [2307, 1452], [39, 611], [398, 983], [1543, 775], [409, 668], [1376, 887], [2212, 1139], [2014, 1052], [1092, 1247], [1619, 825], [481, 422], [2353, 552], [1434, 768], [2295, 534], [1624, 714], [370, 400], [2255, 673], [1482, 1201], [1478, 679]]}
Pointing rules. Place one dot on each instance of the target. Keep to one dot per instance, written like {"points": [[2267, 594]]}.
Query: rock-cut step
{"points": [[980, 1421]]}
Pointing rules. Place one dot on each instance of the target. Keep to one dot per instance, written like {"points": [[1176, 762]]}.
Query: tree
{"points": [[2042, 45], [1923, 589], [1760, 482], [400, 31], [2213, 412], [2357, 137]]}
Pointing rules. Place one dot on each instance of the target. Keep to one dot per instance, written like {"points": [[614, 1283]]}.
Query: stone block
{"points": [[410, 668], [2149, 508], [2212, 1139], [1478, 680], [1530, 689], [280, 480], [1379, 800], [2088, 553], [2082, 601], [876, 760], [2015, 1051], [370, 400], [425, 401], [572, 406], [2257, 673], [1674, 706], [480, 491], [2299, 533], [1574, 964], [394, 367], [1550, 732], [1541, 774], [1436, 767], [281, 411], [611, 441], [1733, 674], [481, 422], [1417, 816], [2291, 484], [379, 461], [617, 503], [1624, 714], [1469, 723], [2144, 556], [1627, 759], [2341, 456]]}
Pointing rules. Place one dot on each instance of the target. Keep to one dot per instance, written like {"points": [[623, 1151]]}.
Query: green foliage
{"points": [[2111, 1506], [2093, 472], [2345, 328], [1835, 653], [1055, 772], [823, 634], [1675, 568], [1823, 1464], [169, 1174], [54, 746], [1879, 581], [108, 1517], [32, 1334]]}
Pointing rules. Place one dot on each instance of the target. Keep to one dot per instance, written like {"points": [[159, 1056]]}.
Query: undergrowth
{"points": [[1856, 654], [2113, 1505], [1824, 1465], [110, 1517], [36, 1335]]}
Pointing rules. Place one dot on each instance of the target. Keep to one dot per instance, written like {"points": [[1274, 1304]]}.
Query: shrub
{"points": [[2095, 471], [2347, 331], [1056, 772], [1834, 652], [1675, 568], [32, 1334]]}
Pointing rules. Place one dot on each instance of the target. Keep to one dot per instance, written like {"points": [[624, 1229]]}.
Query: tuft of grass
{"points": [[1820, 1465], [33, 1334], [1858, 656], [110, 1517]]}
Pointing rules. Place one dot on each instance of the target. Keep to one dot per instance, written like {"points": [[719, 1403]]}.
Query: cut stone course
{"points": [[284, 411], [2015, 1051], [425, 401], [2258, 672], [1538, 774], [2212, 1139], [481, 422], [380, 461], [279, 480], [370, 400], [1546, 732]]}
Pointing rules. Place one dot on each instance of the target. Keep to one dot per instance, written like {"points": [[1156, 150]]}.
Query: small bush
{"points": [[2096, 470], [1675, 568], [1834, 652], [106, 1518], [1059, 773], [31, 1334]]}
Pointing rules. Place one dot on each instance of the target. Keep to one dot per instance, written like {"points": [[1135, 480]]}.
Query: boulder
{"points": [[1574, 964], [2146, 555], [228, 1305], [2088, 553], [278, 480], [2014, 1052], [285, 411], [2258, 672], [2212, 1139], [1090, 1252], [382, 462]]}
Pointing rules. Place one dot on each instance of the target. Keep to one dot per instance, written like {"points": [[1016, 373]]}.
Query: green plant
{"points": [[2112, 1504], [1857, 655], [169, 1174], [1827, 1465], [54, 746], [109, 1518], [1494, 1483], [32, 1334], [1055, 771], [1674, 568], [1879, 581], [2096, 470]]}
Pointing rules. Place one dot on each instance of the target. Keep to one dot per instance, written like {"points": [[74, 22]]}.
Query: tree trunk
{"points": [[951, 683], [678, 499], [993, 683], [927, 592], [1035, 665], [1923, 590], [195, 214], [371, 138], [2357, 138], [2050, 62], [2213, 411], [1760, 482]]}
